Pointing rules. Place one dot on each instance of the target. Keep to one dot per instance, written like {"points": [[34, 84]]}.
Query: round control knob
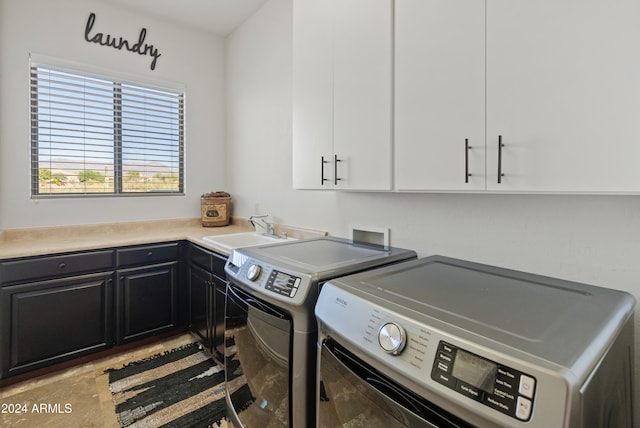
{"points": [[253, 272], [392, 338]]}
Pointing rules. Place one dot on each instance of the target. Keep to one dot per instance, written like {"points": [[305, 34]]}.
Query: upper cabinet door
{"points": [[312, 95], [342, 94], [563, 93], [439, 95], [362, 91]]}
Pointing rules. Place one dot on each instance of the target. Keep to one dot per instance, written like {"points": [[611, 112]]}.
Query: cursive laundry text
{"points": [[118, 42]]}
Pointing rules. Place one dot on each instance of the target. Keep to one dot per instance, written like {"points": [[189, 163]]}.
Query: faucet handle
{"points": [[256, 216], [260, 220]]}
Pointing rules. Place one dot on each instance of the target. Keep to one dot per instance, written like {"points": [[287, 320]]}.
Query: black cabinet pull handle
{"points": [[467, 147], [500, 146], [335, 170], [150, 253], [62, 265], [322, 179]]}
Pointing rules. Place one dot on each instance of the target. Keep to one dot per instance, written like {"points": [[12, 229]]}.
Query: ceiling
{"points": [[217, 16]]}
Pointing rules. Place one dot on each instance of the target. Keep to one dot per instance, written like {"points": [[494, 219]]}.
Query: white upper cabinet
{"points": [[362, 93], [312, 95], [563, 92], [439, 95], [557, 82], [342, 94]]}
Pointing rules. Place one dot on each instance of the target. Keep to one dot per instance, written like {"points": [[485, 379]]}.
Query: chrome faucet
{"points": [[258, 220]]}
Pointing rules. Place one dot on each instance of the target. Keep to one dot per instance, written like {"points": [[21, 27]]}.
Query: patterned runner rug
{"points": [[180, 388]]}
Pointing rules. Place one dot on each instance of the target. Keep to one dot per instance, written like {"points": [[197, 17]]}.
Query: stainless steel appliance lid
{"points": [[326, 254], [547, 317]]}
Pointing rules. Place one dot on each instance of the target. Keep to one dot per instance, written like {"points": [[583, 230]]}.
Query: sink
{"points": [[244, 239]]}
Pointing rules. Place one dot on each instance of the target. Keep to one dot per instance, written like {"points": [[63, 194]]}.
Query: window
{"points": [[92, 135]]}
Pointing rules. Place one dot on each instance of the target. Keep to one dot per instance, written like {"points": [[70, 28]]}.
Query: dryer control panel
{"points": [[494, 385]]}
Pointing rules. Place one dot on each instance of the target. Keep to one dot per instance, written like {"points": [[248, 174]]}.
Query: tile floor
{"points": [[77, 397]]}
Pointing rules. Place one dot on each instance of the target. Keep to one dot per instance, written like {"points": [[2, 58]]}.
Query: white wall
{"points": [[56, 29], [592, 239]]}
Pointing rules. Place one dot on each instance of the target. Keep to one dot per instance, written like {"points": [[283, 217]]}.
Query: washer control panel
{"points": [[268, 279], [283, 283], [494, 385]]}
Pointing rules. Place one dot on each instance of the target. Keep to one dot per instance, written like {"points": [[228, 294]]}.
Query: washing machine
{"points": [[442, 342], [270, 327]]}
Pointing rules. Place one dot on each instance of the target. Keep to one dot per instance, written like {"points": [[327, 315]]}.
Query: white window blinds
{"points": [[94, 135]]}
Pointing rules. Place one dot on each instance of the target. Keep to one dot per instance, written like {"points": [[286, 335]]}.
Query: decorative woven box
{"points": [[215, 208]]}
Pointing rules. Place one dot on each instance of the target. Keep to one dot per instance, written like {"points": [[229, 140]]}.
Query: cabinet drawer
{"points": [[208, 260], [147, 254], [55, 266]]}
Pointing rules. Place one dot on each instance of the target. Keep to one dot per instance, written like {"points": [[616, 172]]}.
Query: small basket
{"points": [[215, 209]]}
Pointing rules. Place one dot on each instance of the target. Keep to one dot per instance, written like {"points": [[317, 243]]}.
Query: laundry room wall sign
{"points": [[103, 39]]}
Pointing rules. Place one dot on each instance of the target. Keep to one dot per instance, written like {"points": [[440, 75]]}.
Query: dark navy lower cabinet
{"points": [[58, 307], [146, 295], [207, 294], [146, 301], [50, 321], [200, 288]]}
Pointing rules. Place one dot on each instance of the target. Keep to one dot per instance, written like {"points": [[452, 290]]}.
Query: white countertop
{"points": [[50, 240]]}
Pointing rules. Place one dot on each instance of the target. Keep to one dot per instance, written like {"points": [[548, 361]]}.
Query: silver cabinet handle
{"points": [[500, 146], [467, 147]]}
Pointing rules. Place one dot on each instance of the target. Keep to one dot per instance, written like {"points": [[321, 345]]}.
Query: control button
{"points": [[523, 408], [505, 406], [507, 373], [443, 366], [392, 338], [503, 394], [468, 390], [446, 347], [253, 272], [506, 384], [527, 386], [293, 292], [444, 379], [445, 357]]}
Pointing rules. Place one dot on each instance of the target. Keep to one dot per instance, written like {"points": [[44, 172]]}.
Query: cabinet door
{"points": [[220, 287], [342, 89], [47, 322], [146, 299], [439, 95], [312, 95], [563, 92], [199, 302], [362, 91]]}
